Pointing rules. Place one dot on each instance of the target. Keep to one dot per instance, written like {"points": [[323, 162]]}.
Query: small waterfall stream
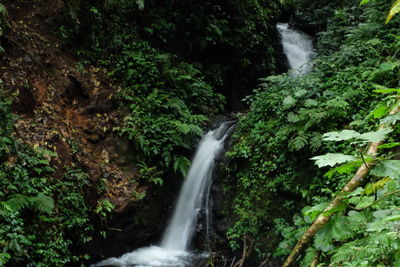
{"points": [[180, 230], [173, 250], [298, 48]]}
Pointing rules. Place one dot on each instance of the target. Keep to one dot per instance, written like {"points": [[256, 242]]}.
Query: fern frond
{"points": [[188, 128], [309, 256], [297, 143], [43, 203], [346, 252], [18, 202], [181, 164]]}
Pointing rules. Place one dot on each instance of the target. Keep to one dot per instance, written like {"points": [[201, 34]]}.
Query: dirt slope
{"points": [[62, 105]]}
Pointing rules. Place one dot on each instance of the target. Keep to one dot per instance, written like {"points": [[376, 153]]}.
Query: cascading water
{"points": [[298, 48], [173, 249]]}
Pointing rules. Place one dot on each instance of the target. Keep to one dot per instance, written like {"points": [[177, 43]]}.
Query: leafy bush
{"points": [[167, 103], [363, 230], [270, 162], [225, 37], [40, 217]]}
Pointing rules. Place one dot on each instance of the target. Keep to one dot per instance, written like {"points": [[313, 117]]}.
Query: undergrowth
{"points": [[177, 66], [41, 218], [270, 163]]}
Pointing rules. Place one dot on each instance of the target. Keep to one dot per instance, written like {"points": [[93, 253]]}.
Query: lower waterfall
{"points": [[173, 250]]}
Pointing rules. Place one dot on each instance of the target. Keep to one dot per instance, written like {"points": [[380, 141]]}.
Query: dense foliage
{"points": [[42, 220], [270, 163], [177, 62]]}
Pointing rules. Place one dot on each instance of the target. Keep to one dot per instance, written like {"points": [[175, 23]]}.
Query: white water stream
{"points": [[298, 48], [173, 250]]}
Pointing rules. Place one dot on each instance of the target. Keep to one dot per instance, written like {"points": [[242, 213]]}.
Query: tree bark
{"points": [[322, 219]]}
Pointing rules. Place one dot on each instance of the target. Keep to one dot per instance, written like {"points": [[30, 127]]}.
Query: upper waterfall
{"points": [[298, 48]]}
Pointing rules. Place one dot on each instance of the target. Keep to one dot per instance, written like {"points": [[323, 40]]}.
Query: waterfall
{"points": [[180, 230], [173, 250], [298, 48]]}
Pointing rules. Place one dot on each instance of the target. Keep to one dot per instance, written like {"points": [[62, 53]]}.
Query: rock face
{"points": [[139, 226], [126, 238]]}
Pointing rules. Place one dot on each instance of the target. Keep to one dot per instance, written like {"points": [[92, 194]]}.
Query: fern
{"points": [[188, 128], [298, 142], [311, 252], [181, 164], [43, 203], [346, 253], [17, 202]]}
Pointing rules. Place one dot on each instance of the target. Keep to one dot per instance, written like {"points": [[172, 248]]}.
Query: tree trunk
{"points": [[322, 219]]}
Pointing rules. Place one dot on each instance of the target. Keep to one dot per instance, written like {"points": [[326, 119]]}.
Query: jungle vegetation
{"points": [[298, 141]]}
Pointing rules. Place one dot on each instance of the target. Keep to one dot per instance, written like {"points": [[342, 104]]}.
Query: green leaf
{"points": [[310, 103], [387, 168], [380, 214], [392, 218], [289, 102], [359, 191], [363, 2], [341, 136], [373, 187], [389, 145], [388, 66], [182, 165], [345, 168], [391, 119], [340, 228], [188, 128], [291, 117], [309, 256], [350, 134], [375, 136], [314, 211], [300, 93], [380, 112], [38, 170], [297, 143], [393, 10], [364, 201], [387, 90], [43, 203], [356, 216], [331, 159]]}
